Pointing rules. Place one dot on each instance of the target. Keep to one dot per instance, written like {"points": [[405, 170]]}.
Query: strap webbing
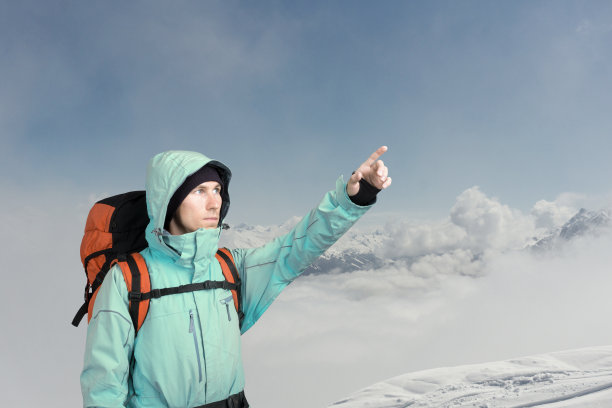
{"points": [[80, 314], [134, 303], [94, 255], [192, 287], [89, 291]]}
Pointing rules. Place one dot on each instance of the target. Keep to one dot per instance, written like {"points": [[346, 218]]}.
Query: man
{"points": [[187, 353]]}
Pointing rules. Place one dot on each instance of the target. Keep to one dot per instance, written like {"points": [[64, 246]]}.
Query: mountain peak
{"points": [[582, 223]]}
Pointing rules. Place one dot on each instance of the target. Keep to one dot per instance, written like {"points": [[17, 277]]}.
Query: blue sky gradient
{"points": [[511, 96]]}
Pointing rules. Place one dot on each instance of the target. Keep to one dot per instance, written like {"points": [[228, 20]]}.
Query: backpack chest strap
{"points": [[192, 287]]}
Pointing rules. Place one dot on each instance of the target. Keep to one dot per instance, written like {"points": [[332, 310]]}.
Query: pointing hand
{"points": [[373, 171]]}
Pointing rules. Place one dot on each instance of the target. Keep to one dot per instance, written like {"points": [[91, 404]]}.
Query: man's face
{"points": [[200, 209]]}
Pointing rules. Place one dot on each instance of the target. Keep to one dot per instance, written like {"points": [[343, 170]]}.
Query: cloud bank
{"points": [[466, 291]]}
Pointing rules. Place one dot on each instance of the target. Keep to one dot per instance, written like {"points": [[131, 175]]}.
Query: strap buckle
{"points": [[135, 296]]}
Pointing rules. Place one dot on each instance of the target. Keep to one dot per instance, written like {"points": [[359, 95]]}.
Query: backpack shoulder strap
{"points": [[228, 266], [138, 281]]}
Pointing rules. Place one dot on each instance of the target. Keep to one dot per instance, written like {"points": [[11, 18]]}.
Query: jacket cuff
{"points": [[343, 198], [366, 194]]}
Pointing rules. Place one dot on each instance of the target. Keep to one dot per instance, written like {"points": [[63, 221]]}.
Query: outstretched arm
{"points": [[267, 270]]}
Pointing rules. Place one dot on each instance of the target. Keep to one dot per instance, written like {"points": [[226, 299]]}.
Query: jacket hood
{"points": [[166, 172]]}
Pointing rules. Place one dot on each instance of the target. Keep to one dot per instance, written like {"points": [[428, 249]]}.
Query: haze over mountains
{"points": [[406, 243], [485, 283]]}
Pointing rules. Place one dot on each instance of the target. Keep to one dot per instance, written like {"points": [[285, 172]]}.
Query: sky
{"points": [[505, 99]]}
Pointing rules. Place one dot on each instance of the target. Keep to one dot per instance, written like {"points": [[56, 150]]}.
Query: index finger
{"points": [[374, 156]]}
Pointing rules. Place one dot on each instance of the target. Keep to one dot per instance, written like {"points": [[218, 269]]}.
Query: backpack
{"points": [[115, 234]]}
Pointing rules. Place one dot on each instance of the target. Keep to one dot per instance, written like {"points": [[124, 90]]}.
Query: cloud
{"points": [[130, 81], [550, 215], [367, 326], [588, 27], [466, 292], [408, 239], [532, 304], [476, 223], [477, 227], [488, 223]]}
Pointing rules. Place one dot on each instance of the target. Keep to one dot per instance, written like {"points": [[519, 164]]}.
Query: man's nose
{"points": [[213, 203]]}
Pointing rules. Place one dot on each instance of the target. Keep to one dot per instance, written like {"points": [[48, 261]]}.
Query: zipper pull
{"points": [[229, 316], [226, 303], [191, 325]]}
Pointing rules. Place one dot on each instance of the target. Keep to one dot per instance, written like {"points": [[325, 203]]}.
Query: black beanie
{"points": [[206, 173]]}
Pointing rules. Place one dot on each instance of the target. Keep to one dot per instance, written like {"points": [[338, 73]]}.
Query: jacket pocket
{"points": [[195, 343]]}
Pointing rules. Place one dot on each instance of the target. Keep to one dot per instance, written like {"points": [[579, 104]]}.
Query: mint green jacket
{"points": [[187, 353]]}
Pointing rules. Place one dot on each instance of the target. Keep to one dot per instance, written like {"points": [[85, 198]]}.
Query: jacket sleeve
{"points": [[267, 270], [108, 350]]}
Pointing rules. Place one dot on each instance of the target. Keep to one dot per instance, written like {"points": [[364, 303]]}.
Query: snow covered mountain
{"points": [[354, 251], [575, 378], [363, 250], [584, 222]]}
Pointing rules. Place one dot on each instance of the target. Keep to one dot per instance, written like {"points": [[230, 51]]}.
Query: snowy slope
{"points": [[576, 378]]}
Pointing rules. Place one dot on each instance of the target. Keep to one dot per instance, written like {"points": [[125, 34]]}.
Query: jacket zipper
{"points": [[226, 303], [195, 342]]}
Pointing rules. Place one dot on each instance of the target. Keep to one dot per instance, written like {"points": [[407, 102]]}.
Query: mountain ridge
{"points": [[366, 250]]}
